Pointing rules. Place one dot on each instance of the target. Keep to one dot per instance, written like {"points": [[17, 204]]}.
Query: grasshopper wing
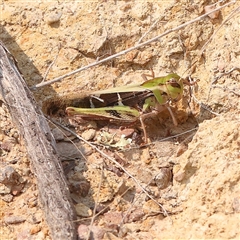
{"points": [[127, 88]]}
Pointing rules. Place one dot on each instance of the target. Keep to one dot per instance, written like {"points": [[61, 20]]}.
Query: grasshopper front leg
{"points": [[172, 115], [142, 118], [153, 113]]}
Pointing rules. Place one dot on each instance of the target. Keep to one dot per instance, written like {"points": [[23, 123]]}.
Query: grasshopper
{"points": [[133, 103]]}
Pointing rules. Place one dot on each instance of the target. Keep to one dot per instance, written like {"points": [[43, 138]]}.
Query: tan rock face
{"points": [[211, 183], [50, 39]]}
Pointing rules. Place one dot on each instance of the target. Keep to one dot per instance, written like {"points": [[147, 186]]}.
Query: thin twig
{"points": [[149, 30], [49, 67], [226, 89], [131, 48], [223, 74], [218, 77], [178, 135], [200, 103], [204, 106]]}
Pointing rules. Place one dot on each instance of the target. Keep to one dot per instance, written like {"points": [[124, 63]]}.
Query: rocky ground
{"points": [[192, 170]]}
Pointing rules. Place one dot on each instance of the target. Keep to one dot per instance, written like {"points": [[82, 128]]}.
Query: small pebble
{"points": [[210, 8], [52, 18], [89, 134], [14, 133], [82, 210], [151, 207], [14, 219], [179, 176], [164, 178], [58, 134], [35, 229]]}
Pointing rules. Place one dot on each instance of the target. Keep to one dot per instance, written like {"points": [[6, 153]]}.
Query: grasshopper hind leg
{"points": [[172, 115], [142, 118], [144, 129], [155, 113]]}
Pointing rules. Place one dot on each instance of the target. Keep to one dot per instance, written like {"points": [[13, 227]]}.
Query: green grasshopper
{"points": [[132, 103]]}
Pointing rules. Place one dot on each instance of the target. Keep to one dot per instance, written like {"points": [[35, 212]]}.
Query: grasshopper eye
{"points": [[173, 82]]}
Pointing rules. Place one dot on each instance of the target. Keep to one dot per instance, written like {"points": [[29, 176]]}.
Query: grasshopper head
{"points": [[174, 88]]}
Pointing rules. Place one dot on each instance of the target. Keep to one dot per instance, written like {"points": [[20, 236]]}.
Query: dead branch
{"points": [[40, 144]]}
